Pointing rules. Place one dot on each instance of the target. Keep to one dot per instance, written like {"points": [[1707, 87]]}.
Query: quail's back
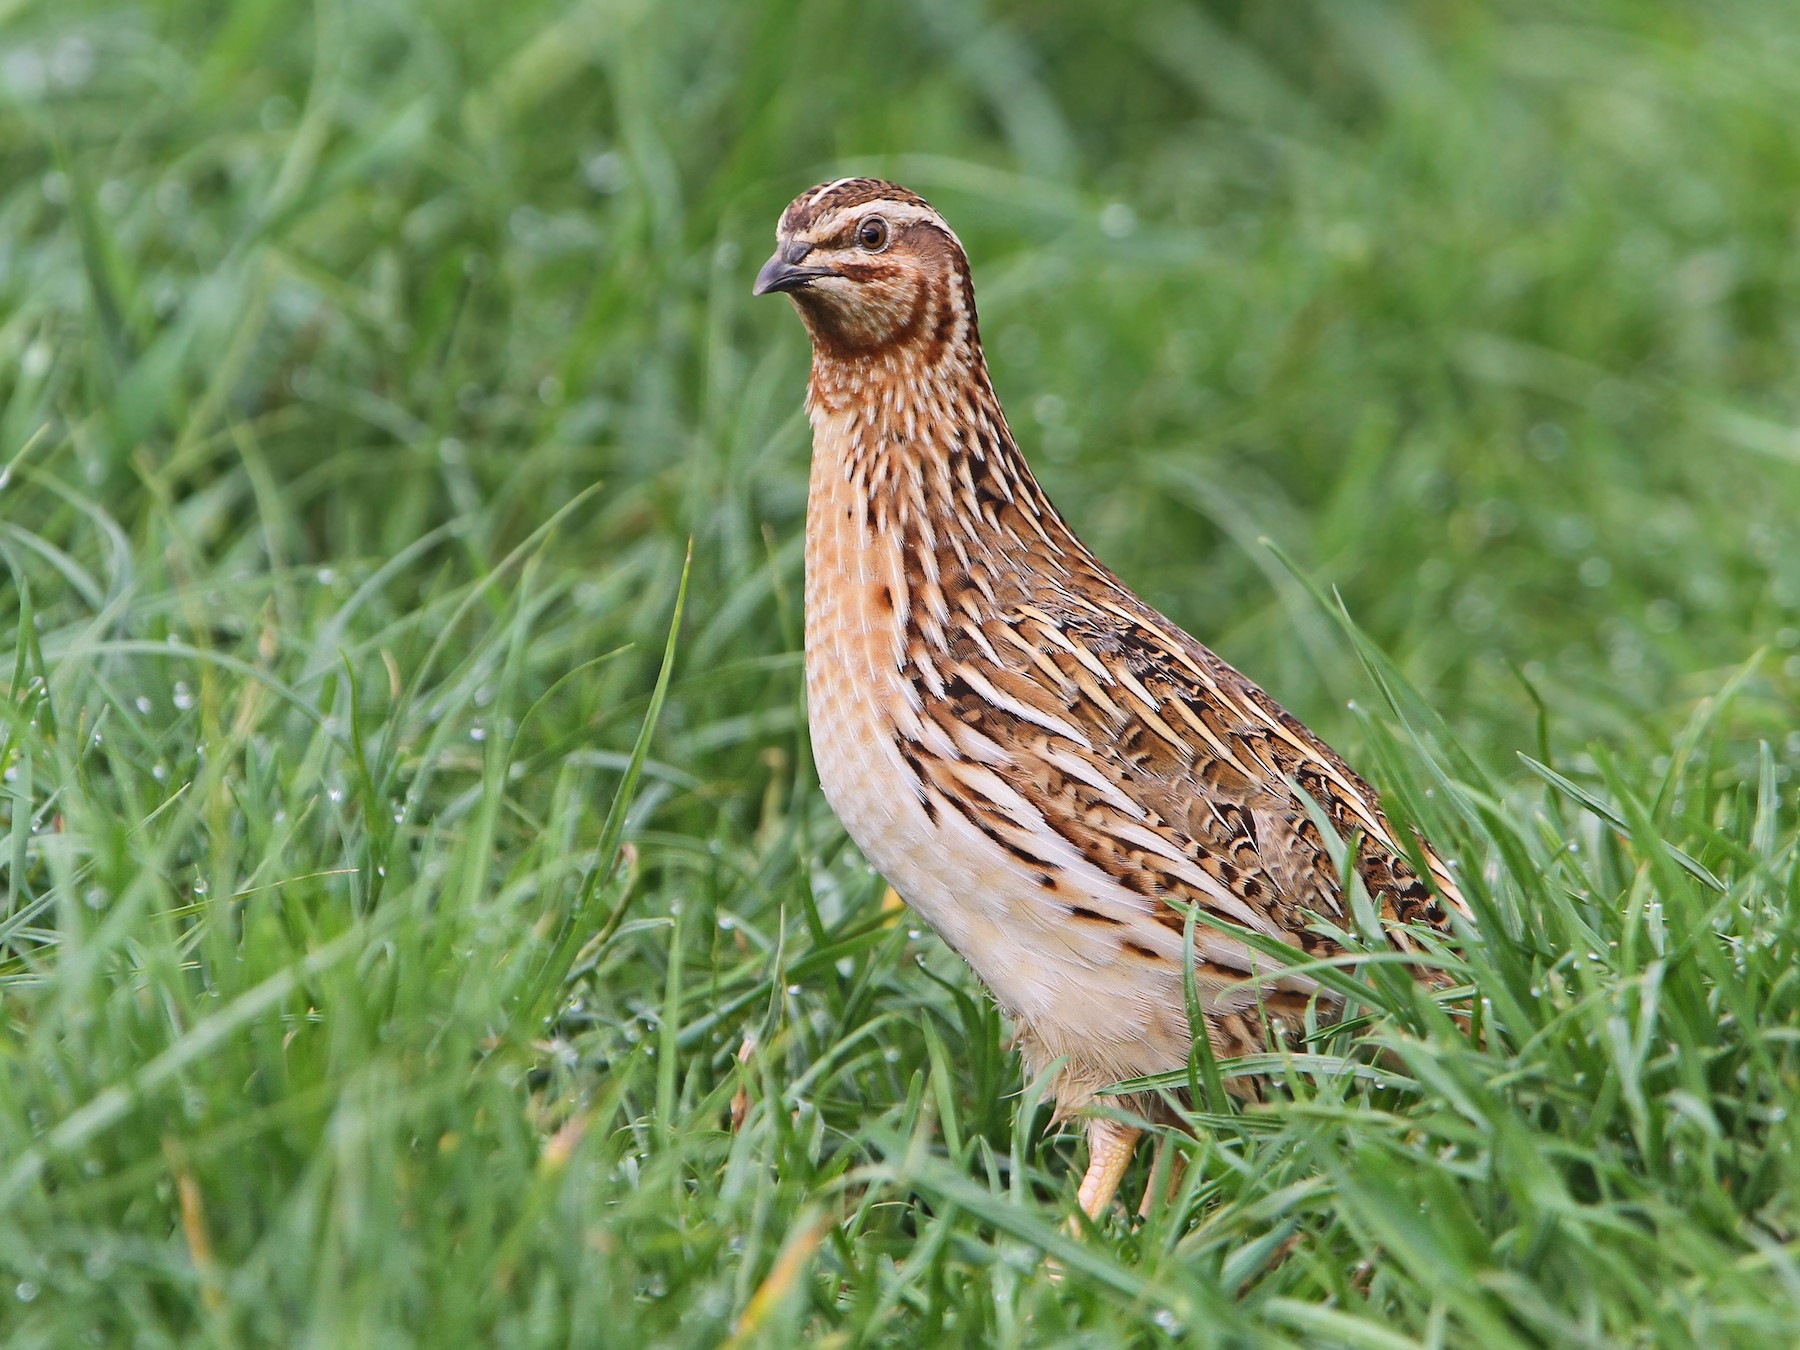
{"points": [[1046, 769]]}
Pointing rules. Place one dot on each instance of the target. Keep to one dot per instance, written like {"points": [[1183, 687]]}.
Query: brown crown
{"points": [[817, 202]]}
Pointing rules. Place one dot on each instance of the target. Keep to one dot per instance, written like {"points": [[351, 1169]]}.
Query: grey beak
{"points": [[784, 273]]}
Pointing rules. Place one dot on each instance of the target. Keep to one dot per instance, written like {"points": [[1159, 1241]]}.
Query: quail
{"points": [[1047, 770]]}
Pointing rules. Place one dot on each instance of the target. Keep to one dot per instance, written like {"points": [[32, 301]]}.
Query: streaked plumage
{"points": [[1044, 767]]}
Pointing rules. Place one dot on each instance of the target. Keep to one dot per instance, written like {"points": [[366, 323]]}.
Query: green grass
{"points": [[366, 370]]}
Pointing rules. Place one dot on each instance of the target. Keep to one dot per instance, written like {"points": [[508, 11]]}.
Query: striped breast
{"points": [[1077, 988]]}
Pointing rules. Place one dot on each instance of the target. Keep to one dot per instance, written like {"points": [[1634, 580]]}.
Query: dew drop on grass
{"points": [[1117, 220], [26, 1291], [171, 197], [1167, 1320], [144, 705], [335, 794], [715, 1302], [605, 172], [793, 989], [477, 733], [183, 696]]}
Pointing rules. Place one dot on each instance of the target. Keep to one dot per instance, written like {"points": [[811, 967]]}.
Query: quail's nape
{"points": [[1045, 768]]}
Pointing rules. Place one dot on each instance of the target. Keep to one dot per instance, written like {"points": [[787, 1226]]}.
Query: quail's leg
{"points": [[1177, 1167], [1110, 1145]]}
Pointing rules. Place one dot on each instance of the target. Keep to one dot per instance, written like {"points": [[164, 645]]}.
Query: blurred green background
{"points": [[366, 369]]}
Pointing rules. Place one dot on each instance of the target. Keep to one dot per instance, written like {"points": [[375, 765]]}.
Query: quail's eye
{"points": [[872, 234]]}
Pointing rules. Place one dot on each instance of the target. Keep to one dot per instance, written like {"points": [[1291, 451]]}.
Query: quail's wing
{"points": [[1090, 728]]}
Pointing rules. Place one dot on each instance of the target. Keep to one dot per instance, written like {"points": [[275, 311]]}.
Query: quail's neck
{"points": [[885, 382], [920, 439]]}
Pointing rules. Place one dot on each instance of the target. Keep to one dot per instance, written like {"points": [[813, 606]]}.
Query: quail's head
{"points": [[871, 266]]}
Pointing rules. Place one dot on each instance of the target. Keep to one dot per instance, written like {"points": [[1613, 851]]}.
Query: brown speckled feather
{"points": [[1046, 768]]}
